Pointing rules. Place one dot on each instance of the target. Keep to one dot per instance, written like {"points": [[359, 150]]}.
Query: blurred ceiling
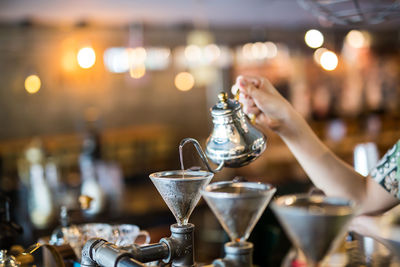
{"points": [[274, 13]]}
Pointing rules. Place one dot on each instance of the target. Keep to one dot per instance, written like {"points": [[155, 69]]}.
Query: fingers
{"points": [[245, 80], [252, 110]]}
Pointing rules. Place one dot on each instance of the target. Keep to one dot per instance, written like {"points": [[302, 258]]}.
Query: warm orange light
{"points": [[86, 57], [318, 53], [259, 50], [137, 55], [137, 72], [184, 81], [247, 51], [272, 50], [32, 84], [193, 53], [358, 39], [212, 52], [314, 38], [68, 61], [329, 60]]}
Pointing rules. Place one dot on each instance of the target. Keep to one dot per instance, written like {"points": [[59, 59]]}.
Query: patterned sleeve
{"points": [[387, 171]]}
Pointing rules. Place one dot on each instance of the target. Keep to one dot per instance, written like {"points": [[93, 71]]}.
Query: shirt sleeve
{"points": [[387, 171]]}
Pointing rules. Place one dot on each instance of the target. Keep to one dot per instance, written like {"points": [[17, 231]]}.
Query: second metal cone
{"points": [[238, 206]]}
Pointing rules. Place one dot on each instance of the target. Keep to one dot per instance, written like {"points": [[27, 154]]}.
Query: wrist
{"points": [[292, 126]]}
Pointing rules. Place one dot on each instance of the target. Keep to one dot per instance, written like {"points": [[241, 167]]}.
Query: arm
{"points": [[326, 171]]}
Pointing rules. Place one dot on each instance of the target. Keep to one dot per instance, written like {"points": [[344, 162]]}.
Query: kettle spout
{"points": [[202, 155]]}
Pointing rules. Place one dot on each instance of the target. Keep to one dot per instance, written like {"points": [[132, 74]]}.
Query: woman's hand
{"points": [[260, 98]]}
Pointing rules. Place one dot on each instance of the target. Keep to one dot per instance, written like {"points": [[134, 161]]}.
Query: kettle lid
{"points": [[225, 106]]}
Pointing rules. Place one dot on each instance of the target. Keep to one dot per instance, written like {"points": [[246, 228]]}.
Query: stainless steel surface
{"points": [[128, 262], [234, 141], [313, 223], [181, 246], [236, 255], [98, 252], [148, 253], [238, 206], [203, 156], [176, 249], [181, 194]]}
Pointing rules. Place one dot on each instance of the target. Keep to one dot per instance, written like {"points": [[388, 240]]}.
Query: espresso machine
{"points": [[234, 142]]}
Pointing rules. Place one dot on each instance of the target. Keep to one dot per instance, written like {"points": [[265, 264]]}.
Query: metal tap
{"points": [[176, 249]]}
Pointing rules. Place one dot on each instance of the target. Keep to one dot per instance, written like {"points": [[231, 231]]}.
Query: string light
{"points": [[247, 51], [212, 52], [116, 59], [357, 39], [272, 50], [184, 81], [86, 57], [314, 38], [138, 71], [318, 53], [137, 55], [32, 84], [329, 60], [193, 53], [259, 50]]}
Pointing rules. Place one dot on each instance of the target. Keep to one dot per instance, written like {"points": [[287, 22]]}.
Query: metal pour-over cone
{"points": [[181, 193], [238, 205], [314, 224]]}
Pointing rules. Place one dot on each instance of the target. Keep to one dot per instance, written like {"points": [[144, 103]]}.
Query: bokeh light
{"points": [[272, 50], [68, 61], [184, 81], [116, 59], [86, 57], [247, 51], [357, 39], [212, 52], [318, 53], [137, 71], [259, 50], [137, 55], [32, 84], [329, 60], [193, 53], [314, 38]]}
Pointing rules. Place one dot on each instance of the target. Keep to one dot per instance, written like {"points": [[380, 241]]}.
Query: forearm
{"points": [[327, 171]]}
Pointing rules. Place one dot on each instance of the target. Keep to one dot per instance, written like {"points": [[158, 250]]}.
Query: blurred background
{"points": [[96, 95]]}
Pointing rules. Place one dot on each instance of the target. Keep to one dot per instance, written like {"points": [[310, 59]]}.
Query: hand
{"points": [[260, 98]]}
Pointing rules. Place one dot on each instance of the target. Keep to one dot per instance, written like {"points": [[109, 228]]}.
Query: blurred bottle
{"points": [[91, 186], [41, 203], [88, 163], [365, 157]]}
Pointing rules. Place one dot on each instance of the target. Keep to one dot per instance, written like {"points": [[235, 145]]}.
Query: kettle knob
{"points": [[223, 97]]}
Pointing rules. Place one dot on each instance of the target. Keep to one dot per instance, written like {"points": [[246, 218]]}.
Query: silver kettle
{"points": [[234, 141]]}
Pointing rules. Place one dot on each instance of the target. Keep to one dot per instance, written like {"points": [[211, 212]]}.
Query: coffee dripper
{"points": [[234, 141]]}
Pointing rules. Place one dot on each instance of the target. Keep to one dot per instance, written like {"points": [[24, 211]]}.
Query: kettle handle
{"points": [[201, 153]]}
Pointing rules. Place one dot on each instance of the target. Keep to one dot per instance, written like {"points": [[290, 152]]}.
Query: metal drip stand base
{"points": [[236, 254], [180, 245]]}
